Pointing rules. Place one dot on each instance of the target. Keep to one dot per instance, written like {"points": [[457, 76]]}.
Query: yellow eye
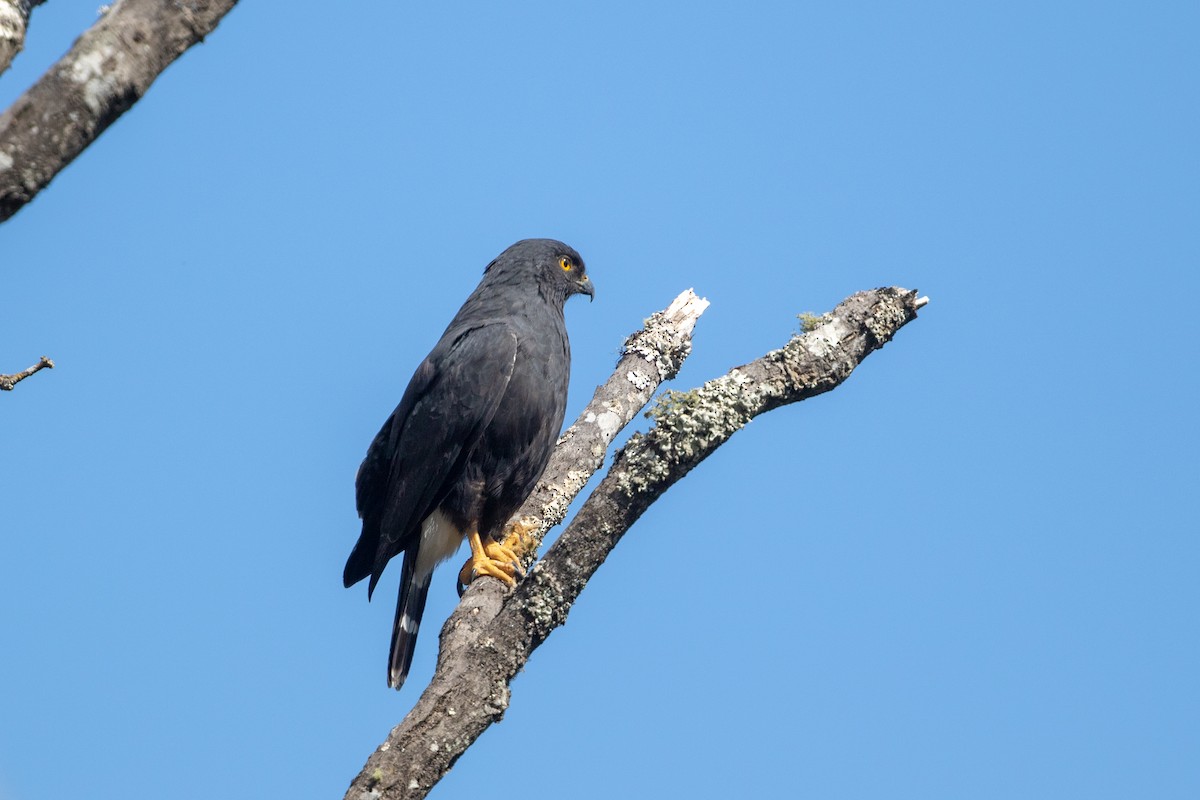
{"points": [[565, 263]]}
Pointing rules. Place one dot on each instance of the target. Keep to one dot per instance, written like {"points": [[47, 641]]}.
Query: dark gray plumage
{"points": [[473, 431]]}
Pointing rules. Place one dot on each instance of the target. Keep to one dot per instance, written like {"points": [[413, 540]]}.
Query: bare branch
{"points": [[492, 633], [14, 19], [107, 70], [648, 357], [7, 382]]}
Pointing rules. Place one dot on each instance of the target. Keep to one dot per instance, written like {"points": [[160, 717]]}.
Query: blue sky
{"points": [[968, 572]]}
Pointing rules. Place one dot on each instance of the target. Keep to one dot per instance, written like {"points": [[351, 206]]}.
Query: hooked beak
{"points": [[586, 287]]}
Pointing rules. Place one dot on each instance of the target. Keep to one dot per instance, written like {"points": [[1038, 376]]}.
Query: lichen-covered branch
{"points": [[689, 426], [14, 20], [492, 633], [7, 382], [107, 70]]}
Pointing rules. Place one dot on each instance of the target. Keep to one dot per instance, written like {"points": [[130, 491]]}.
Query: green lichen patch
{"points": [[687, 427], [809, 321]]}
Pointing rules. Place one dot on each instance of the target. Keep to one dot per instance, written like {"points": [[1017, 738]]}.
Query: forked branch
{"points": [[492, 633]]}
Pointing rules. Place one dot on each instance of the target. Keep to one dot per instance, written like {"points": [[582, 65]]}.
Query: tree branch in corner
{"points": [[106, 71]]}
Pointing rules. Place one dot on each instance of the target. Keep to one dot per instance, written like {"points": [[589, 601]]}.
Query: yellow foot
{"points": [[520, 537], [493, 559]]}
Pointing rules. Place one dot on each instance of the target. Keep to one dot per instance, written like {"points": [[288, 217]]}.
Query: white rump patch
{"points": [[439, 540]]}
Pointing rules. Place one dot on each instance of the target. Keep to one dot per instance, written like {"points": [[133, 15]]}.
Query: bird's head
{"points": [[556, 268]]}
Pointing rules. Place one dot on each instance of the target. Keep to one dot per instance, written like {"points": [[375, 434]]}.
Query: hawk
{"points": [[471, 435]]}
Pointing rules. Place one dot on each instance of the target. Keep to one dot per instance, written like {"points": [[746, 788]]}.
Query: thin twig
{"points": [[7, 382]]}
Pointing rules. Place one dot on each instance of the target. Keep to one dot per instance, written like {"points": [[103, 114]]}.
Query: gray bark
{"points": [[492, 633], [14, 20], [7, 382], [107, 70]]}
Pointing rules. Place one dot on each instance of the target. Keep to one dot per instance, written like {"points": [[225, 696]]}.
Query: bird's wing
{"points": [[370, 485], [418, 454]]}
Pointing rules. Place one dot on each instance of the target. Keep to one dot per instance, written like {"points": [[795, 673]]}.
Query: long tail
{"points": [[409, 607]]}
